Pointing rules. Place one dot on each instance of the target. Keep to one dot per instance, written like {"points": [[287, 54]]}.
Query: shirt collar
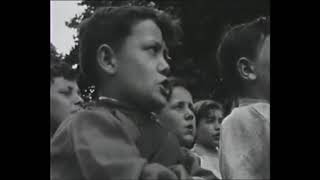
{"points": [[116, 102], [125, 106], [203, 150], [248, 101]]}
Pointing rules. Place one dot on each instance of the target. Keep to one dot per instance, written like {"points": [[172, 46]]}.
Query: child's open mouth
{"points": [[216, 136], [165, 89]]}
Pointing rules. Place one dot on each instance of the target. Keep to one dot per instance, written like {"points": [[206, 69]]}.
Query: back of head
{"points": [[242, 40], [112, 25]]}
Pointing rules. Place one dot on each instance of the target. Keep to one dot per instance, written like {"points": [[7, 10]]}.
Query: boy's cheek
{"points": [[158, 96]]}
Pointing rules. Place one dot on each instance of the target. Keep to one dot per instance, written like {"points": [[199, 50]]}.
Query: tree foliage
{"points": [[54, 55]]}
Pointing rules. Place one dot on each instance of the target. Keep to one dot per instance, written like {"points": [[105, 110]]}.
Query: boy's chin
{"points": [[188, 142], [158, 102], [215, 145]]}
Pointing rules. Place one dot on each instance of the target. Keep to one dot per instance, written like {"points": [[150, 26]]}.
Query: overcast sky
{"points": [[60, 34]]}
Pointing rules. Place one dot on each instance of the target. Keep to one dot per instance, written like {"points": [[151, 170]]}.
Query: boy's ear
{"points": [[246, 69], [106, 59]]}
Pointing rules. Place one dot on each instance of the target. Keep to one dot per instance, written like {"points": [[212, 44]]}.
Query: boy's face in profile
{"points": [[208, 130], [64, 98], [142, 67], [177, 116]]}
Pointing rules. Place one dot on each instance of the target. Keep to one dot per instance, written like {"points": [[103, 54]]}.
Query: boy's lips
{"points": [[165, 89], [216, 136], [189, 129]]}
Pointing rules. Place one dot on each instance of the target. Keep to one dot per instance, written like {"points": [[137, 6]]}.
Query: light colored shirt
{"points": [[208, 159], [245, 141]]}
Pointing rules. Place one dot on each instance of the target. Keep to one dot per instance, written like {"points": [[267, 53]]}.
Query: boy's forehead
{"points": [[180, 94], [214, 112], [147, 30]]}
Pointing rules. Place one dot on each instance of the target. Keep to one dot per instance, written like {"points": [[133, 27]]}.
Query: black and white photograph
{"points": [[159, 89]]}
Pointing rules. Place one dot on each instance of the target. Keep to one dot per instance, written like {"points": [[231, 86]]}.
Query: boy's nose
{"points": [[218, 126], [188, 116], [164, 68], [78, 100]]}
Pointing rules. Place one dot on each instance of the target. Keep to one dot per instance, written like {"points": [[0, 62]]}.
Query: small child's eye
{"points": [[179, 105], [211, 120]]}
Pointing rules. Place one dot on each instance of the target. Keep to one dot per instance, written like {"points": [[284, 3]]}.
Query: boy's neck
{"points": [[211, 149], [113, 98], [120, 100], [112, 93], [253, 93]]}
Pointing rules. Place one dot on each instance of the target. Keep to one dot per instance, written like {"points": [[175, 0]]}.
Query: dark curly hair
{"points": [[62, 69], [202, 107]]}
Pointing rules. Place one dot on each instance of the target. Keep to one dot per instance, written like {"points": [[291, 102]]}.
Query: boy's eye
{"points": [[154, 50], [179, 105], [211, 120], [65, 93]]}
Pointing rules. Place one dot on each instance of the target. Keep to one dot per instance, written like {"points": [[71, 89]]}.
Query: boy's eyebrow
{"points": [[178, 102], [182, 102], [157, 43]]}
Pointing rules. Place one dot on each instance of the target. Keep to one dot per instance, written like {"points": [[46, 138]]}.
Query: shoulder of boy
{"points": [[262, 110], [97, 117]]}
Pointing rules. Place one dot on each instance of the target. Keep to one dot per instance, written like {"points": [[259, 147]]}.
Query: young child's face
{"points": [[142, 67], [208, 130], [177, 116], [65, 98]]}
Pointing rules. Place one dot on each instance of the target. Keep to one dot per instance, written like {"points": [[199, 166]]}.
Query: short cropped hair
{"points": [[62, 69], [242, 40], [112, 25], [202, 108]]}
